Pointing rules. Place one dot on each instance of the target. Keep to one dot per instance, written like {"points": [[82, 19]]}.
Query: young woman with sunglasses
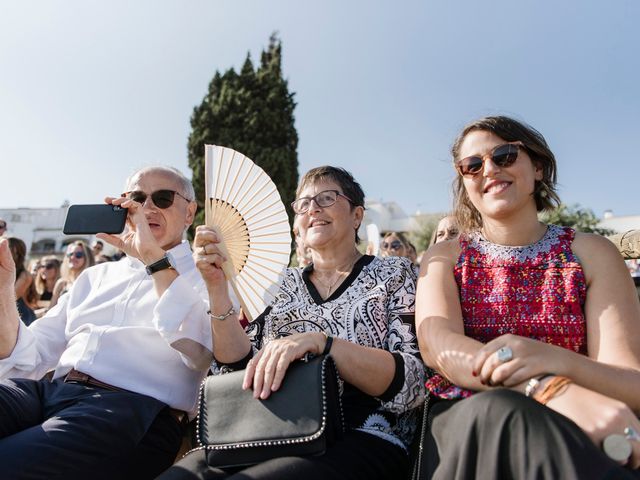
{"points": [[77, 257], [356, 307], [394, 244], [533, 328], [46, 275]]}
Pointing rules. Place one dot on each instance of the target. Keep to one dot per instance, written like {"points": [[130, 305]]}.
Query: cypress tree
{"points": [[253, 113]]}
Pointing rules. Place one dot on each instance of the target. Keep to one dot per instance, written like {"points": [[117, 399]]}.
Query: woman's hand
{"points": [[266, 370], [208, 258], [598, 416], [530, 358], [137, 241]]}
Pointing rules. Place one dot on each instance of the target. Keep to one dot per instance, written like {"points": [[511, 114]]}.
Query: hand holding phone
{"points": [[95, 218]]}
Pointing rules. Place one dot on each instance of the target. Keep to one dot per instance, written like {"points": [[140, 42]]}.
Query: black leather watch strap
{"points": [[159, 265]]}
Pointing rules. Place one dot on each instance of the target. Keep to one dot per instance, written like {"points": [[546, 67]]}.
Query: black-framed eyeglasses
{"points": [[502, 156], [160, 198], [395, 245], [323, 199], [78, 254]]}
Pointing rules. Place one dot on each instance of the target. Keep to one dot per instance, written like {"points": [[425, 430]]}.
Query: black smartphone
{"points": [[98, 218]]}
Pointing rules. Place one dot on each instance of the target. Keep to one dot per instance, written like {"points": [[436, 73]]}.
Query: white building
{"points": [[40, 229], [620, 224]]}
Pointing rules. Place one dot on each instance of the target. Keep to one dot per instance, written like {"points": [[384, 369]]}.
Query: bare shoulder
{"points": [[598, 255], [590, 247], [443, 254]]}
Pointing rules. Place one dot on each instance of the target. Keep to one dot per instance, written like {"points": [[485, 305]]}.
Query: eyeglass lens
{"points": [[323, 199], [75, 254]]}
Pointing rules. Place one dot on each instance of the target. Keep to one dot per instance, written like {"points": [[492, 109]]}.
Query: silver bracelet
{"points": [[534, 383], [223, 316], [532, 386]]}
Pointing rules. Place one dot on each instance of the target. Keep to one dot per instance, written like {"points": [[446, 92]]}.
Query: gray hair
{"points": [[185, 184]]}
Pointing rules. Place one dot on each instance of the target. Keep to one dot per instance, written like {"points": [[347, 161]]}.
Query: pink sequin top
{"points": [[536, 291]]}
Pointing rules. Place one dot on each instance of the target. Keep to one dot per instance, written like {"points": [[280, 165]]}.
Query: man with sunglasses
{"points": [[128, 346]]}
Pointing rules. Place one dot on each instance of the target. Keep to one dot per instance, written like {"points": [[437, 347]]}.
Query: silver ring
{"points": [[617, 447], [505, 354], [630, 433]]}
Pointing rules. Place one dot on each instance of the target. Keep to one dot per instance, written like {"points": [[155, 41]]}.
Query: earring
{"points": [[543, 189]]}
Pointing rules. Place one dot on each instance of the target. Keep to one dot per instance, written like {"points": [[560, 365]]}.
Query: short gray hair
{"points": [[185, 184]]}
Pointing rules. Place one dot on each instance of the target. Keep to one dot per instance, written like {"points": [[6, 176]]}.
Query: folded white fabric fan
{"points": [[243, 205]]}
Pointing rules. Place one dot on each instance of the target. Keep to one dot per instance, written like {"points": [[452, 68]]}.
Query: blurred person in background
{"points": [[45, 278], [76, 259], [394, 244], [25, 293], [447, 229], [3, 227]]}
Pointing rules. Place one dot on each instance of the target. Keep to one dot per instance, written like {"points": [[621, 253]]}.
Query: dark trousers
{"points": [[502, 434], [57, 430], [358, 456]]}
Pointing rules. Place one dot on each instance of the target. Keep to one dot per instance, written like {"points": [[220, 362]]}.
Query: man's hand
{"points": [[8, 312], [137, 240], [7, 268]]}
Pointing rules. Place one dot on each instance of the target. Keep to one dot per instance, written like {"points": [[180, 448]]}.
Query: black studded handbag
{"points": [[302, 418]]}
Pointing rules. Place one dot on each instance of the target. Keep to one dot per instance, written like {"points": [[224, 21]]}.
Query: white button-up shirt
{"points": [[112, 326]]}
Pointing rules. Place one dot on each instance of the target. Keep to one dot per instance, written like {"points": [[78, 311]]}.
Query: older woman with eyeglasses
{"points": [[533, 328], [77, 257], [356, 307]]}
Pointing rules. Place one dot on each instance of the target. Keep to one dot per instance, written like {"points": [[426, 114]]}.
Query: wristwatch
{"points": [[162, 264]]}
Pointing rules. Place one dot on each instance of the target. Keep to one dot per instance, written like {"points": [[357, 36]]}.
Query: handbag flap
{"points": [[229, 415]]}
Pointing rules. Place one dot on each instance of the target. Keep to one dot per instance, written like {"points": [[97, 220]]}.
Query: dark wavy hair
{"points": [[343, 178], [509, 130]]}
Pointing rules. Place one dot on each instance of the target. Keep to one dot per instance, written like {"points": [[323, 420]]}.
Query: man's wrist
{"points": [[152, 256]]}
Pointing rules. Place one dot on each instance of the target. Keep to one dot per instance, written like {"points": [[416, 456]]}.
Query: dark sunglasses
{"points": [[395, 245], [78, 254], [323, 199], [49, 266], [160, 198], [4, 225], [502, 156]]}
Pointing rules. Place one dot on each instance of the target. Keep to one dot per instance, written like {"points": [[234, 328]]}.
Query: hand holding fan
{"points": [[244, 207]]}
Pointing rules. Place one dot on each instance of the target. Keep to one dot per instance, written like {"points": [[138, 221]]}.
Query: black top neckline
{"points": [[355, 271]]}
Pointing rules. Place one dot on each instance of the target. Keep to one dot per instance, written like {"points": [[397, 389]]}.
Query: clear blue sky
{"points": [[90, 90]]}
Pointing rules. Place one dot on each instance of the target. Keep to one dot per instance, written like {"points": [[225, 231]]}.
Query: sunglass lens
{"points": [[470, 165], [505, 155], [139, 197], [163, 198]]}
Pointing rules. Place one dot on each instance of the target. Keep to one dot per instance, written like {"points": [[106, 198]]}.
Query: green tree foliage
{"points": [[251, 112], [421, 237], [577, 217]]}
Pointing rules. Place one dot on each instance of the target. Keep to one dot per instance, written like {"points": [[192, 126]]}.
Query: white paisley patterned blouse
{"points": [[373, 307]]}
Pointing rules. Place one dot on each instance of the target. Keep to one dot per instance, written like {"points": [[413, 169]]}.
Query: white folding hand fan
{"points": [[243, 205]]}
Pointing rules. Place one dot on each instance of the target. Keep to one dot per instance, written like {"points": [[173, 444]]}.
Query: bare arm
{"points": [[612, 312], [23, 282], [230, 342], [57, 291], [443, 344]]}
